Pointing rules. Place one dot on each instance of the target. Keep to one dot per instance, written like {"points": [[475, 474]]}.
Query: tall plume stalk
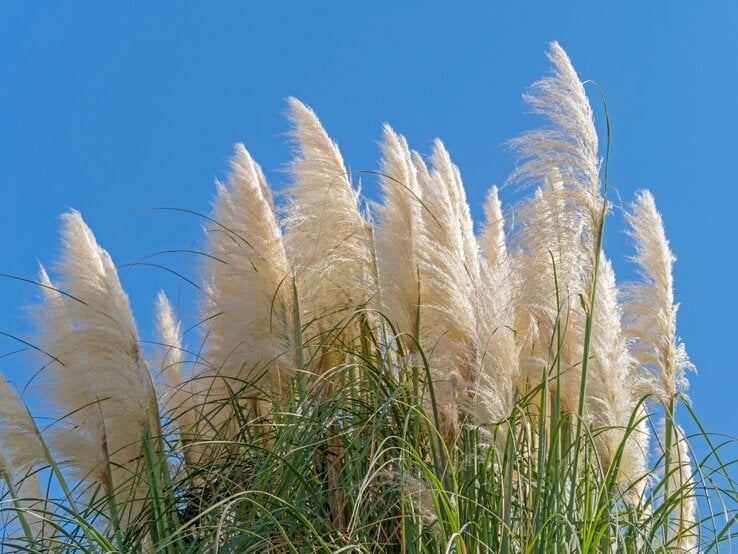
{"points": [[563, 160], [398, 230], [328, 240], [549, 276], [612, 392], [494, 395], [329, 245], [96, 375], [650, 311], [448, 266], [569, 149], [248, 309], [650, 316]]}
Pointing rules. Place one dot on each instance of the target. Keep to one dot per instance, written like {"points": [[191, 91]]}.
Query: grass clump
{"points": [[392, 383]]}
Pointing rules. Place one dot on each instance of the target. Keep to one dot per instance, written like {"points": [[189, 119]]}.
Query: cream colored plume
{"points": [[681, 481], [650, 312], [492, 238], [248, 310], [21, 450], [489, 395], [398, 231], [96, 375], [612, 392], [493, 397], [568, 146], [20, 444], [328, 240], [448, 173], [448, 324], [549, 263], [176, 396], [561, 225]]}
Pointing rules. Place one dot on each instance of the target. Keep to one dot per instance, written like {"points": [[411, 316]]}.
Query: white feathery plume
{"points": [[397, 235], [650, 312], [328, 240], [451, 260], [564, 155], [568, 146], [449, 174], [681, 482], [650, 321], [612, 393], [97, 378], [329, 245], [492, 239], [494, 395], [448, 314], [248, 310], [20, 451], [488, 394], [20, 444], [176, 397], [548, 254]]}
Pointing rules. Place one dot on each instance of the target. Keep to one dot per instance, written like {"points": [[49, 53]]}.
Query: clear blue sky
{"points": [[112, 109]]}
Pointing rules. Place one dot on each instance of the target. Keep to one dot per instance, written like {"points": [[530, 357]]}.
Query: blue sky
{"points": [[117, 108]]}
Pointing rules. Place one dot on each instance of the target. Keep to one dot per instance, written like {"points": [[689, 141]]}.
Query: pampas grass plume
{"points": [[650, 311], [98, 378], [398, 230], [247, 314], [176, 397], [328, 240]]}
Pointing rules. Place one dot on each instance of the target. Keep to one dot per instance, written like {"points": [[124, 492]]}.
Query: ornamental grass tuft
{"points": [[375, 379]]}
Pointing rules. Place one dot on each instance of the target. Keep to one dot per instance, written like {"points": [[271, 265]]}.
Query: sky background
{"points": [[117, 109]]}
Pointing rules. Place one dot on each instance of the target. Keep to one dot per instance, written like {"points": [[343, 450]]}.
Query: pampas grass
{"points": [[650, 308], [176, 398], [612, 393], [377, 379], [97, 376], [447, 322], [399, 228], [248, 306], [328, 241]]}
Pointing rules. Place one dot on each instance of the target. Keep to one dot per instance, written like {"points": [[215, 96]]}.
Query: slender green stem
{"points": [[18, 508]]}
